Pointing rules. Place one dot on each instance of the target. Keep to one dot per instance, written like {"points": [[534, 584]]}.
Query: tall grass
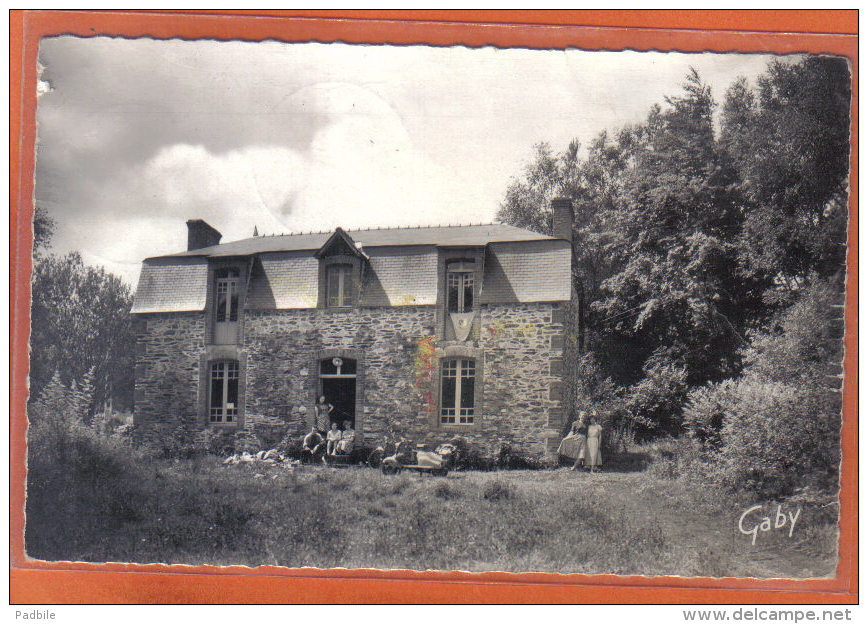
{"points": [[92, 498], [101, 501]]}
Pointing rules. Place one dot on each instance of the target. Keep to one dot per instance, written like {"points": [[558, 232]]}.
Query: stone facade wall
{"points": [[518, 348], [523, 376], [520, 368], [284, 346], [168, 346]]}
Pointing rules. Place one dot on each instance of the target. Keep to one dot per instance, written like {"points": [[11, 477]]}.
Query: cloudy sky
{"points": [[136, 136]]}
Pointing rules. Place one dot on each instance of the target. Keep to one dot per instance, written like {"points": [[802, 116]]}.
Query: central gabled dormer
{"points": [[341, 266]]}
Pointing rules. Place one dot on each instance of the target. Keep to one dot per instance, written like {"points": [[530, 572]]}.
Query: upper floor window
{"points": [[226, 308], [340, 271], [459, 287], [340, 285], [226, 287], [457, 391], [224, 392]]}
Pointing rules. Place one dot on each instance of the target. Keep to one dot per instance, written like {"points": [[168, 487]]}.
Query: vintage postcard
{"points": [[309, 304]]}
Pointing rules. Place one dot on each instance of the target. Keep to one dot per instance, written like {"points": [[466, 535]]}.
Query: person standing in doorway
{"points": [[322, 415]]}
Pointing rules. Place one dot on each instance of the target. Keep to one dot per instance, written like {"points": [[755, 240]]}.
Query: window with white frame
{"points": [[226, 308], [459, 287], [339, 285], [457, 391], [224, 392]]}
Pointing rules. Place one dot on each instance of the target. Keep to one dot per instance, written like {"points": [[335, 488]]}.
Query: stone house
{"points": [[426, 332]]}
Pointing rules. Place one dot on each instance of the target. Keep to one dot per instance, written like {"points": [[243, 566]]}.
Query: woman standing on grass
{"points": [[573, 446], [595, 434]]}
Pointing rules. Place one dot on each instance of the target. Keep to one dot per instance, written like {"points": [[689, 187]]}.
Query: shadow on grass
{"points": [[618, 462]]}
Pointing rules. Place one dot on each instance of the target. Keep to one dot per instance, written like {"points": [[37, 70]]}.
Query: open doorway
{"points": [[338, 385]]}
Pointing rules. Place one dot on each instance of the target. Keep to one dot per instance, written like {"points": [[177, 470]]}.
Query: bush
{"points": [[597, 394], [78, 482], [497, 490], [655, 403], [177, 443], [470, 456], [782, 421], [443, 491], [805, 340], [85, 490], [247, 441], [213, 441], [676, 458], [705, 411], [290, 445], [270, 436], [510, 459], [775, 436]]}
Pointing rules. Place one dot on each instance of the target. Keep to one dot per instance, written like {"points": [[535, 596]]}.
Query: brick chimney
{"points": [[200, 234], [562, 218]]}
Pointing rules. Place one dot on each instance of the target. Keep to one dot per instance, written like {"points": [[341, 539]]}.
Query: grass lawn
{"points": [[199, 512]]}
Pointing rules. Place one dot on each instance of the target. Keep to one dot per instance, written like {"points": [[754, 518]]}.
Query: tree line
{"points": [[702, 246], [82, 339]]}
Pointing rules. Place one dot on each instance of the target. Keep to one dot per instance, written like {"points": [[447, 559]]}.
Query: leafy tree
{"points": [[674, 296], [43, 229], [81, 330], [527, 201], [790, 142], [82, 395], [688, 240]]}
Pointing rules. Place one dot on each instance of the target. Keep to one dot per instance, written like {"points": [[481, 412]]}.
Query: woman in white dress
{"points": [[593, 458], [573, 446]]}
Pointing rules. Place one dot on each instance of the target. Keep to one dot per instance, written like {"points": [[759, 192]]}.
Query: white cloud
{"points": [[365, 170], [136, 136], [237, 189]]}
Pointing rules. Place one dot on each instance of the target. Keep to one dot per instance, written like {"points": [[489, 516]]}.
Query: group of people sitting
{"points": [[336, 442], [583, 442], [327, 437]]}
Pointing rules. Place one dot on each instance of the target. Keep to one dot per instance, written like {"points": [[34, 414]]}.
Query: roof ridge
{"points": [[376, 228], [445, 235], [423, 227]]}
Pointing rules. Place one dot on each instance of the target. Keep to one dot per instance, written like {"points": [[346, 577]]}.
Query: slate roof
{"points": [[441, 236], [525, 273], [177, 285], [520, 266]]}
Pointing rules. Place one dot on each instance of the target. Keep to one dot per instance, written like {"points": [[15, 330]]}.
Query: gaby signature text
{"points": [[752, 522]]}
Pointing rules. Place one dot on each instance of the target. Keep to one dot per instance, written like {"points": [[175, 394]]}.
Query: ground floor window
{"points": [[224, 392], [457, 385]]}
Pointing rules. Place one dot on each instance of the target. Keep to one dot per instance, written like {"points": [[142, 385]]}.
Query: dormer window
{"points": [[227, 295], [459, 287], [341, 263], [340, 285], [226, 287]]}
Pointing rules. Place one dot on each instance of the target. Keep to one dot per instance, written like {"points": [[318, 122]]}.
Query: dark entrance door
{"points": [[338, 384]]}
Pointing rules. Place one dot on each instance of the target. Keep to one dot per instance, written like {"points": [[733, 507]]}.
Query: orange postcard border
{"points": [[31, 582]]}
